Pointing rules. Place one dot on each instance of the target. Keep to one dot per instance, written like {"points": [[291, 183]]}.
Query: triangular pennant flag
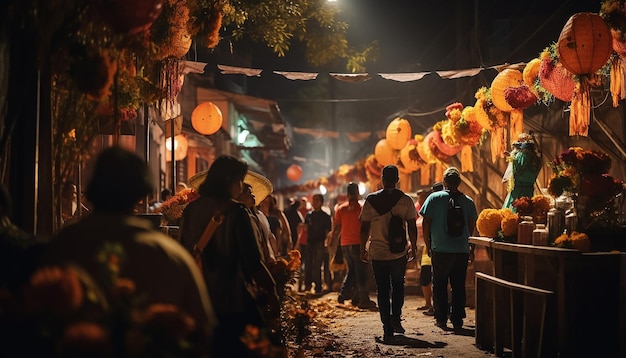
{"points": [[304, 76], [351, 77], [459, 73], [403, 77], [230, 70]]}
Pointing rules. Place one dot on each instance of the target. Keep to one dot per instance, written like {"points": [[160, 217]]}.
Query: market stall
{"points": [[550, 301]]}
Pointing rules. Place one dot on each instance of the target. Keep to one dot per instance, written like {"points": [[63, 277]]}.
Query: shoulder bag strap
{"points": [[215, 221]]}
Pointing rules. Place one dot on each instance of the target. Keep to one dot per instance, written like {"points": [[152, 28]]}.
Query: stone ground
{"points": [[341, 330]]}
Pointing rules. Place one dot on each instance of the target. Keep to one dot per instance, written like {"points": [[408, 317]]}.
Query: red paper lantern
{"points": [[206, 118], [129, 16], [294, 172]]}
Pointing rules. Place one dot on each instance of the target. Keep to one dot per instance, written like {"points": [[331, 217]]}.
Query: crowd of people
{"points": [[216, 282]]}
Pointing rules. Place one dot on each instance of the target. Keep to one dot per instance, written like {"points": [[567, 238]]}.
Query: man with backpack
{"points": [[449, 220], [388, 248]]}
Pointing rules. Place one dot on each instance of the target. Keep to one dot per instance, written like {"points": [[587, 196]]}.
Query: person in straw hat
{"points": [[231, 260], [255, 189]]}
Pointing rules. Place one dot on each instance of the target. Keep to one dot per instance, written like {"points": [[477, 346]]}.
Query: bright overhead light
{"points": [[241, 138], [168, 143], [362, 188], [323, 190]]}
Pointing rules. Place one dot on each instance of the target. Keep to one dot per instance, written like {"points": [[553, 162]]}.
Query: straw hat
{"points": [[261, 186]]}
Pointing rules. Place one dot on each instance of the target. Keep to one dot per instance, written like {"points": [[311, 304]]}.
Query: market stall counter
{"points": [[547, 301]]}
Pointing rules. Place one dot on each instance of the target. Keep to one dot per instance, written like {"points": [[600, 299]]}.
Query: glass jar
{"points": [[525, 231], [540, 235], [556, 223]]}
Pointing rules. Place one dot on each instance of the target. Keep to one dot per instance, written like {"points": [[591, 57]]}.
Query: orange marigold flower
{"points": [[169, 320], [55, 290], [85, 339]]}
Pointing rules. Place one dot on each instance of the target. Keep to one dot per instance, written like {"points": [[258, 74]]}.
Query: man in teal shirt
{"points": [[449, 254]]}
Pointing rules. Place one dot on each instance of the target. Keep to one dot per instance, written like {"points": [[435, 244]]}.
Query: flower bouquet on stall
{"points": [[537, 207], [498, 224], [172, 208], [596, 194]]}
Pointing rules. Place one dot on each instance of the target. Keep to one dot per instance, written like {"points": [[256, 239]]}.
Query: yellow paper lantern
{"points": [[206, 118], [384, 154], [531, 72], [398, 133], [505, 79]]}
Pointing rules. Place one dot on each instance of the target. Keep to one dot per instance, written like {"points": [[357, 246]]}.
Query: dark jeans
{"points": [[389, 276], [449, 267], [313, 265], [355, 281]]}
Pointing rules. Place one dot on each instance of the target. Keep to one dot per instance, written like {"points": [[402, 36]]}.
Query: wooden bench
{"points": [[514, 316]]}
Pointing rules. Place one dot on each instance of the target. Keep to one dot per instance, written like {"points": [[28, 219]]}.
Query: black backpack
{"points": [[383, 202], [456, 218]]}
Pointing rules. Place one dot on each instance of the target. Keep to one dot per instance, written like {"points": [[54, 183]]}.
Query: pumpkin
{"points": [[294, 172], [206, 118], [585, 43], [385, 155], [398, 133], [504, 80]]}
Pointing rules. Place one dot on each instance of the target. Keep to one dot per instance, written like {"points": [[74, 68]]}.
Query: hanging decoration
{"points": [[206, 118], [409, 157], [294, 172], [555, 78], [128, 16], [584, 46], [506, 79], [493, 120], [385, 154], [398, 133], [612, 12]]}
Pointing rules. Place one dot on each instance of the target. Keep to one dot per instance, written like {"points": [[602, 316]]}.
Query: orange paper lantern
{"points": [[398, 133], [206, 118], [385, 155], [585, 43], [294, 172]]}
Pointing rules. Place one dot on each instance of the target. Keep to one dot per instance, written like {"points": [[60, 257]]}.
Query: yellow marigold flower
{"points": [[541, 203], [488, 222], [509, 222]]}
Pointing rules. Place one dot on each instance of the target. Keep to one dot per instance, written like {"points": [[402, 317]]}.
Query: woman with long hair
{"points": [[231, 261]]}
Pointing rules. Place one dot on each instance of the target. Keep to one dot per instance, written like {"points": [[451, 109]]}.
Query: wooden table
{"points": [[583, 298]]}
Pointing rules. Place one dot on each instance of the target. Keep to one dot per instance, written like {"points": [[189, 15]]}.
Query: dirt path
{"points": [[341, 330]]}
